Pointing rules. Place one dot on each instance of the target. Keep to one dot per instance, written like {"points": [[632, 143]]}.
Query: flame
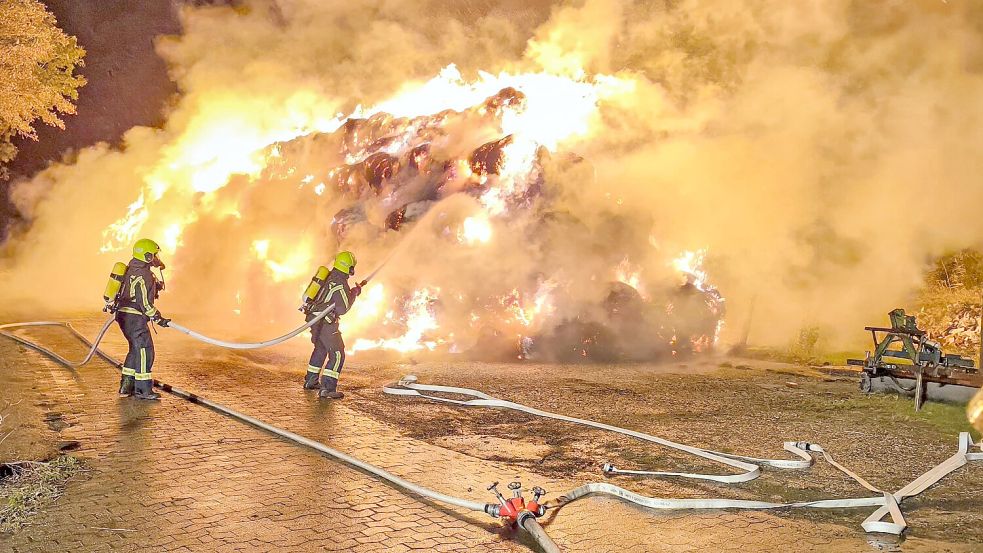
{"points": [[261, 248], [220, 142], [527, 312], [123, 230], [627, 274], [296, 263], [366, 310], [475, 229], [557, 107], [419, 319], [241, 136], [556, 110], [690, 264], [171, 238]]}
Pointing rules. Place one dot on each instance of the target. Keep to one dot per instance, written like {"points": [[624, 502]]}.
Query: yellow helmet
{"points": [[145, 250], [345, 262]]}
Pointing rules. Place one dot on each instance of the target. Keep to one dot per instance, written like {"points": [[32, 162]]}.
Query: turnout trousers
{"points": [[140, 355], [328, 357]]}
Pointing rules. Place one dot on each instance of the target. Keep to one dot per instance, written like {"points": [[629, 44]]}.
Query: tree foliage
{"points": [[37, 72], [962, 269]]}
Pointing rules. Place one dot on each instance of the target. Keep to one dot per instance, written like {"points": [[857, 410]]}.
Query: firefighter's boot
{"points": [[332, 394], [329, 387], [126, 386], [151, 395], [145, 390], [310, 381]]}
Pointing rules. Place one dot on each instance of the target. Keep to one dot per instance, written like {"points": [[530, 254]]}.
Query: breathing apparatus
{"points": [[344, 262], [145, 250], [313, 289], [114, 287]]}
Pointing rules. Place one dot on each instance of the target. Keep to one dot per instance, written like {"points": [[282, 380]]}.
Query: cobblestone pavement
{"points": [[174, 476]]}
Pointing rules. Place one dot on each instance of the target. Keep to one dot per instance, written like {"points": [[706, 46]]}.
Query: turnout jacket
{"points": [[140, 289], [336, 291]]}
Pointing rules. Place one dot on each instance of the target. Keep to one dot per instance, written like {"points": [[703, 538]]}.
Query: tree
{"points": [[37, 72]]}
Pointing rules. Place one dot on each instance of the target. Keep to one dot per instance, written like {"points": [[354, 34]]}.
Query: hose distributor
{"points": [[515, 509], [524, 515]]}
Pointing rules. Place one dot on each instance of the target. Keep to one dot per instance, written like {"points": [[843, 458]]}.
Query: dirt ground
{"points": [[733, 405]]}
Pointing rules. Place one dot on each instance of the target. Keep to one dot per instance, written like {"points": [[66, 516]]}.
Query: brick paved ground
{"points": [[177, 477]]}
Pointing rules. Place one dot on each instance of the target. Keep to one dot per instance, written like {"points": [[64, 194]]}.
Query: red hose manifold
{"points": [[515, 508]]}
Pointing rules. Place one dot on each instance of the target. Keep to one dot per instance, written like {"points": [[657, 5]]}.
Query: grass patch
{"points": [[947, 418], [799, 357], [29, 486]]}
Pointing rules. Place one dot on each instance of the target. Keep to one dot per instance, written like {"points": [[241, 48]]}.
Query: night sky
{"points": [[128, 82]]}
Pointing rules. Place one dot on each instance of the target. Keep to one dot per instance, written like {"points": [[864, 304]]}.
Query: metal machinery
{"points": [[918, 358]]}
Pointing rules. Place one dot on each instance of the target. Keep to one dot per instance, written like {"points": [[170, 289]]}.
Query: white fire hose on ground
{"points": [[70, 364], [888, 503]]}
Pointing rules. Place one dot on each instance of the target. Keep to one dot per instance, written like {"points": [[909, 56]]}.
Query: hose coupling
{"points": [[523, 515], [608, 468]]}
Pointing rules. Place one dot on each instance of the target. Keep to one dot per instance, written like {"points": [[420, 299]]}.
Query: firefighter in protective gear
{"points": [[328, 357], [136, 310]]}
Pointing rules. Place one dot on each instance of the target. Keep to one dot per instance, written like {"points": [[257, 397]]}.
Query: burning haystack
{"points": [[387, 174]]}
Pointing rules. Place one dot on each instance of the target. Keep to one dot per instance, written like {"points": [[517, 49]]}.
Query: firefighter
{"points": [[136, 310], [328, 357]]}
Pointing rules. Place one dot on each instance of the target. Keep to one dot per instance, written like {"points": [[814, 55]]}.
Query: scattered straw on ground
{"points": [[29, 486]]}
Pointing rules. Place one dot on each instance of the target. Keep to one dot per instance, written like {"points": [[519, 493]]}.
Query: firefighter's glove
{"points": [[162, 321]]}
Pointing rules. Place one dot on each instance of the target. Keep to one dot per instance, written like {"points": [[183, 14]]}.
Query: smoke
{"points": [[821, 152]]}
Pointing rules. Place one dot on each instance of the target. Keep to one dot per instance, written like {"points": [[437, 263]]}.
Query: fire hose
{"points": [[251, 345], [515, 510], [274, 341], [94, 349], [180, 328], [887, 503], [70, 364]]}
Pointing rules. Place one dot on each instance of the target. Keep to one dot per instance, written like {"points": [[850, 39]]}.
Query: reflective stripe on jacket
{"points": [[336, 291], [139, 290]]}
